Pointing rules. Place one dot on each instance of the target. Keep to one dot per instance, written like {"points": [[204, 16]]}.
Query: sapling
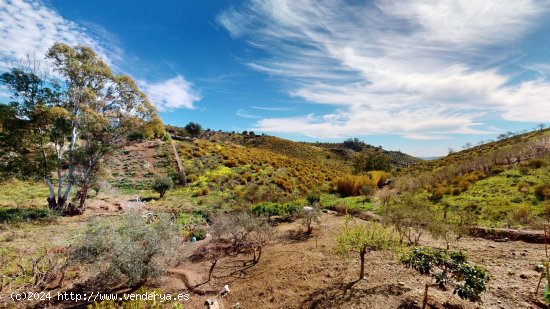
{"points": [[448, 268], [363, 238]]}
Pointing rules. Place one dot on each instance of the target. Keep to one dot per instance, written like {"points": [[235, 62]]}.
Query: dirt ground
{"points": [[298, 272], [303, 273]]}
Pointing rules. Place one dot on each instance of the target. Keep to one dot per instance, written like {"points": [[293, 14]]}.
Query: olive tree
{"points": [[361, 238]]}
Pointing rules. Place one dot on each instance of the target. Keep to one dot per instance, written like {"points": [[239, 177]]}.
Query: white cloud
{"points": [[171, 94], [30, 28], [421, 69]]}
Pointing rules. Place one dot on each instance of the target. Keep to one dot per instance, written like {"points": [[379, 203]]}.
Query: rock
{"points": [[523, 276], [401, 283], [212, 303], [539, 268]]}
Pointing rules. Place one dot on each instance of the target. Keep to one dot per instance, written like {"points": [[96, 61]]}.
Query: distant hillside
{"points": [[513, 149], [264, 169], [398, 159], [333, 154]]}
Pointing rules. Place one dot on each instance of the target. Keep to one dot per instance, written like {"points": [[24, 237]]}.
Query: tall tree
{"points": [[73, 122]]}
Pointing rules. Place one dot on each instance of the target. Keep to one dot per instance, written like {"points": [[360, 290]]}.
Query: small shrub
{"points": [[543, 191], [199, 234], [130, 250], [537, 163], [162, 184], [314, 197], [352, 185], [497, 169], [268, 209]]}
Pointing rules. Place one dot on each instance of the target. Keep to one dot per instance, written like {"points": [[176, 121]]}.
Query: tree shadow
{"points": [[342, 293], [293, 236], [16, 215]]}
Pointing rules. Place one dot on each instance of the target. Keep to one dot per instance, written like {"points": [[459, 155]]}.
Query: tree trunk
{"points": [[211, 270], [362, 269], [425, 301]]}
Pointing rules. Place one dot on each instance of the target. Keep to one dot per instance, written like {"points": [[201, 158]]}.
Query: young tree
{"points": [[162, 184], [410, 216], [362, 238], [310, 215], [245, 232], [448, 268]]}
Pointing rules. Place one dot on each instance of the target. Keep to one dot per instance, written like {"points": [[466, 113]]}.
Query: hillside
{"points": [[398, 159], [504, 151]]}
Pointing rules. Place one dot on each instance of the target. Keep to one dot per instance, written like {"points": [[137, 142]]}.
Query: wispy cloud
{"points": [[273, 109], [172, 93], [29, 28], [414, 68], [244, 114]]}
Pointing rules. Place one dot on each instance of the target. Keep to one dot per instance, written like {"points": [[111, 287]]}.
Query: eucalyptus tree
{"points": [[79, 117]]}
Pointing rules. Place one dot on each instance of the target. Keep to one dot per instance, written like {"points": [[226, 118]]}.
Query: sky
{"points": [[417, 76]]}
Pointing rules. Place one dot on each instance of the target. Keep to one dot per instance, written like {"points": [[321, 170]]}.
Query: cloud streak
{"points": [[421, 69]]}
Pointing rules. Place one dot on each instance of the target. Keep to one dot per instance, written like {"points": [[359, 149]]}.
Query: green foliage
{"points": [[130, 249], [268, 209], [449, 268], [199, 234], [16, 215], [362, 238], [193, 129], [354, 144], [371, 161], [410, 215], [313, 197], [162, 184]]}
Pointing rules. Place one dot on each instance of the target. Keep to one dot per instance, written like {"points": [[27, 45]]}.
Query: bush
{"points": [[268, 209], [314, 197], [537, 163], [199, 234], [352, 185], [130, 250], [448, 268], [543, 191], [497, 169], [162, 184]]}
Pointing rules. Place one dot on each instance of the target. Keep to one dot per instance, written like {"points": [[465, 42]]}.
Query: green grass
{"points": [[499, 199]]}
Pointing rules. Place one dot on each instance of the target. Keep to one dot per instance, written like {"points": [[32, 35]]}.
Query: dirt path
{"points": [[305, 274]]}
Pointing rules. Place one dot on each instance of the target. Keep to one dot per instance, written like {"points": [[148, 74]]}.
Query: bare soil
{"points": [[300, 272]]}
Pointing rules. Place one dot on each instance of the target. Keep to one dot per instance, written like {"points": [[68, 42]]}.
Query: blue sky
{"points": [[418, 76]]}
